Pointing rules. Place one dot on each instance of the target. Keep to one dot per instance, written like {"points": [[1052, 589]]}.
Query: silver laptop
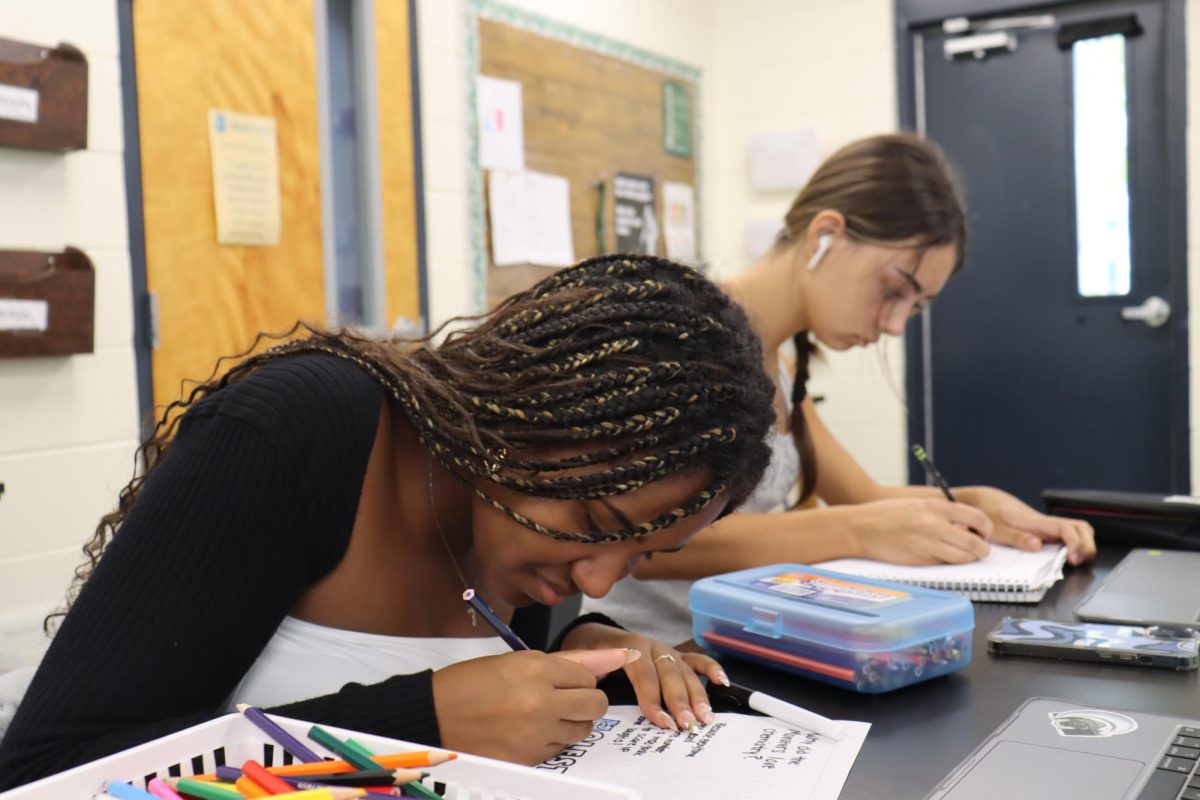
{"points": [[1148, 587], [1055, 749]]}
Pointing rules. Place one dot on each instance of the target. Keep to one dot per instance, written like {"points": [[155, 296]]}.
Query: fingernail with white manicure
{"points": [[706, 713], [632, 655], [722, 678], [665, 721], [687, 721]]}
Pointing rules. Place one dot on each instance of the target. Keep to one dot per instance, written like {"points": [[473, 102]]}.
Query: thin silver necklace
{"points": [[445, 543]]}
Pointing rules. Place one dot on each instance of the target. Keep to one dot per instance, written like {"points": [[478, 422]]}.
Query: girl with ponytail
{"points": [[870, 240]]}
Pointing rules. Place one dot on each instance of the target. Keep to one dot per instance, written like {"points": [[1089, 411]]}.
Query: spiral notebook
{"points": [[1007, 575]]}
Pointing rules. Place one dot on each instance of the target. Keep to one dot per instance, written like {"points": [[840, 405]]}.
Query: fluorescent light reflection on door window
{"points": [[1101, 167]]}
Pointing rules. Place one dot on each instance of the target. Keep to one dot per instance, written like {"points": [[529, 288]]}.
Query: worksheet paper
{"points": [[737, 756], [530, 215]]}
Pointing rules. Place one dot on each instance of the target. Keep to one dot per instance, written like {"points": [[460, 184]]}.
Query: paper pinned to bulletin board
{"points": [[501, 123], [634, 215], [679, 220], [245, 174], [530, 219]]}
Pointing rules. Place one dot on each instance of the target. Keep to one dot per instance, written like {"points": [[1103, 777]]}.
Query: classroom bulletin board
{"points": [[592, 107]]}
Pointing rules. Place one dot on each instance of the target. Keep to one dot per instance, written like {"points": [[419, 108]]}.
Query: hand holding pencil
{"points": [[522, 706], [1015, 523], [667, 678]]}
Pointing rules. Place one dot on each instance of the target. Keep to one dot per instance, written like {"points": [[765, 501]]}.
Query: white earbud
{"points": [[824, 241]]}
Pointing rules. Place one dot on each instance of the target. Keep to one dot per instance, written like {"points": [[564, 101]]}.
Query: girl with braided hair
{"points": [[303, 532], [874, 236]]}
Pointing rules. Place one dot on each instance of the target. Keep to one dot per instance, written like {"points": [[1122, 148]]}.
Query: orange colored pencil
{"points": [[417, 758], [249, 788]]}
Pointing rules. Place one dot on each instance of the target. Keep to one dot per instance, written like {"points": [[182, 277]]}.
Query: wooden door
{"points": [[253, 58]]}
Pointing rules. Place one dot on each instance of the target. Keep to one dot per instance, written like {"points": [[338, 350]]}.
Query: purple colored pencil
{"points": [[281, 737], [484, 610], [228, 774]]}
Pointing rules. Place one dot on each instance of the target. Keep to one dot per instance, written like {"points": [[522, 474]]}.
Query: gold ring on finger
{"points": [[667, 656]]}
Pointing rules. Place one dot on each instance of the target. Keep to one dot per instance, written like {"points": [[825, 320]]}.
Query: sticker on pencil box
{"points": [[829, 591]]}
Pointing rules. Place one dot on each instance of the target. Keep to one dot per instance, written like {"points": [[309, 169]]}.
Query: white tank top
{"points": [[304, 660], [659, 608]]}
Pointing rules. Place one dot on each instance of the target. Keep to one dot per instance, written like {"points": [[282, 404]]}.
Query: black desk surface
{"points": [[919, 733]]}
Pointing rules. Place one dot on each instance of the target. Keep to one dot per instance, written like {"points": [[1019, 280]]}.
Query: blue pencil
{"points": [[489, 616], [127, 791]]}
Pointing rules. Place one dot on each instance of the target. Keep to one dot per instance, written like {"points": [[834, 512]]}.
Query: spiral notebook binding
{"points": [[1028, 587], [997, 590]]}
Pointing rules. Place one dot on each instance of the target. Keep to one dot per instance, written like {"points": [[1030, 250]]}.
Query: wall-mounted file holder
{"points": [[47, 303], [43, 96]]}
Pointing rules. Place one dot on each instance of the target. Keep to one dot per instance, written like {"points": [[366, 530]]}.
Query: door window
{"points": [[1101, 116]]}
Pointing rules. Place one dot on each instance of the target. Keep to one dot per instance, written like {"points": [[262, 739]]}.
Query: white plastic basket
{"points": [[232, 739]]}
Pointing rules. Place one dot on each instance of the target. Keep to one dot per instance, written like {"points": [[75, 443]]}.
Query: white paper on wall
{"points": [[245, 175], [783, 160], [679, 220], [530, 219], [501, 123]]}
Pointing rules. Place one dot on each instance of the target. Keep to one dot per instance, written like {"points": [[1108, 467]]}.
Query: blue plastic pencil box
{"points": [[869, 636]]}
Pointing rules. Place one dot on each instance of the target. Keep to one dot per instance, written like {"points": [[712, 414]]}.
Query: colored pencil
{"points": [[363, 791], [127, 791], [831, 670], [417, 758], [160, 790], [361, 777], [413, 788], [249, 788], [484, 610], [328, 740], [257, 773], [277, 734], [205, 790], [360, 748]]}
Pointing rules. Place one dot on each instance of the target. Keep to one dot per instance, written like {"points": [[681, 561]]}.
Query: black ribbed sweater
{"points": [[254, 501]]}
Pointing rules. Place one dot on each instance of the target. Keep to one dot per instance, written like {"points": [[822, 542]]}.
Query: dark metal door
{"points": [[1021, 376]]}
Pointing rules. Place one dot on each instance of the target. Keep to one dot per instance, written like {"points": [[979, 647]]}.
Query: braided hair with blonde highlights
{"points": [[634, 367]]}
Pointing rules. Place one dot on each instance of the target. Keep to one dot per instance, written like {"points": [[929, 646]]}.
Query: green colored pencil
{"points": [[414, 788], [206, 790], [350, 754]]}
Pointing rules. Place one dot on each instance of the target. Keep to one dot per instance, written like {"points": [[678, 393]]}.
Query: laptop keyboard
{"points": [[1177, 777]]}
